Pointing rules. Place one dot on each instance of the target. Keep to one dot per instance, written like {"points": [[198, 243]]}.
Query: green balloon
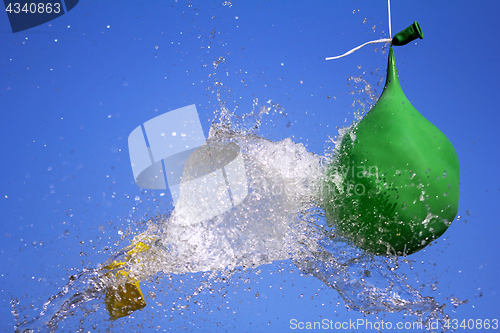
{"points": [[393, 186]]}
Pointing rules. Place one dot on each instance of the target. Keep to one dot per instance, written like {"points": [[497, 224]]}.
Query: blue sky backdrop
{"points": [[72, 90]]}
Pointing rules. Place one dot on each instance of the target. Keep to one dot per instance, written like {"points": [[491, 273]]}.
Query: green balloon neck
{"points": [[407, 35], [392, 85]]}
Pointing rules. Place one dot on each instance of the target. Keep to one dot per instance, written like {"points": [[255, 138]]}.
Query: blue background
{"points": [[72, 90]]}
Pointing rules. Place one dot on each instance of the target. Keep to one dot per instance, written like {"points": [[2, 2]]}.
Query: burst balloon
{"points": [[393, 186]]}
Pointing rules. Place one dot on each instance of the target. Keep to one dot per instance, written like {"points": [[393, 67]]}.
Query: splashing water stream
{"points": [[278, 220]]}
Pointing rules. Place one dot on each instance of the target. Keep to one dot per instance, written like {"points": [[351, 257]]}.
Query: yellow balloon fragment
{"points": [[123, 299]]}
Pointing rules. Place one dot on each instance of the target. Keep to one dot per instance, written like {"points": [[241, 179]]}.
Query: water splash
{"points": [[278, 220]]}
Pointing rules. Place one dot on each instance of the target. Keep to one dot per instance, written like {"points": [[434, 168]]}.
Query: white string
{"points": [[389, 9], [384, 40]]}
